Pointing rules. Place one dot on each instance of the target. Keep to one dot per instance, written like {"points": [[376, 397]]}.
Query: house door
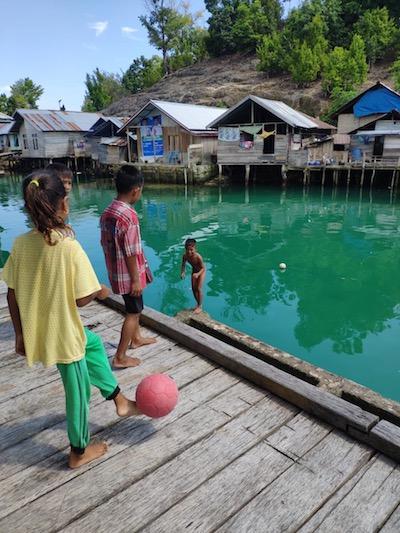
{"points": [[378, 146], [269, 145]]}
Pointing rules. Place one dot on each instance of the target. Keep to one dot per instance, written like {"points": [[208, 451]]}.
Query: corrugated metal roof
{"points": [[377, 133], [47, 120], [114, 141], [6, 127], [189, 116], [5, 118], [281, 110]]}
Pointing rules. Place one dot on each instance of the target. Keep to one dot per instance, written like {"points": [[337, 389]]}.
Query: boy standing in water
{"points": [[198, 271], [126, 264]]}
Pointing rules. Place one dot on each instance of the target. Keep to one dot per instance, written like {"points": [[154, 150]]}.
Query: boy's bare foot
{"points": [[142, 341], [92, 452], [197, 310], [125, 407], [125, 362]]}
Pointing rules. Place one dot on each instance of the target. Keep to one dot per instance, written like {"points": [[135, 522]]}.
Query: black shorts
{"points": [[133, 304]]}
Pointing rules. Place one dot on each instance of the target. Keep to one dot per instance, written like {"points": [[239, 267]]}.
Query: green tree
{"points": [[24, 94], [345, 69], [304, 64], [255, 19], [338, 98], [395, 71], [378, 31], [238, 25], [270, 53], [163, 23], [3, 103], [189, 47], [102, 88], [142, 73]]}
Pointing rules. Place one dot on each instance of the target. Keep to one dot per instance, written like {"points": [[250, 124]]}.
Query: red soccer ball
{"points": [[156, 395]]}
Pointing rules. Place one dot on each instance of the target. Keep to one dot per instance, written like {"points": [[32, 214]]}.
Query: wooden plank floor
{"points": [[230, 458]]}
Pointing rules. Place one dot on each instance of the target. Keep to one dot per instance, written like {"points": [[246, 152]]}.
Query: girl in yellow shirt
{"points": [[48, 276]]}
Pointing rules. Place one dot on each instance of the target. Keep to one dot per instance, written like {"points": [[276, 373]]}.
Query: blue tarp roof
{"points": [[380, 100]]}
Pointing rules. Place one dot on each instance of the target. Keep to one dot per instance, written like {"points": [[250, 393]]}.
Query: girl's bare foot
{"points": [[125, 362], [92, 452], [125, 407], [142, 341], [197, 310]]}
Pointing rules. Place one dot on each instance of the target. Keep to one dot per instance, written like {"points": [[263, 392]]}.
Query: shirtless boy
{"points": [[198, 271]]}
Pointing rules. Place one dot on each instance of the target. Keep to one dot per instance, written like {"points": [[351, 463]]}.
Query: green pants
{"points": [[92, 369]]}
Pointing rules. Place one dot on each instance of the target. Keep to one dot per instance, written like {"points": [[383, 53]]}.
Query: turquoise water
{"points": [[338, 303]]}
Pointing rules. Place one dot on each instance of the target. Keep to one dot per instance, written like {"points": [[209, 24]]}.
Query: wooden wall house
{"points": [[257, 131], [48, 135], [168, 132], [105, 146], [372, 119], [8, 140]]}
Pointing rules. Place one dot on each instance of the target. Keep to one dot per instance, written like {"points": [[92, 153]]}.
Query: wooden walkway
{"points": [[230, 458]]}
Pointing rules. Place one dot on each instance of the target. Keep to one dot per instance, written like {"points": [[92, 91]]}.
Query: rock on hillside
{"points": [[224, 81]]}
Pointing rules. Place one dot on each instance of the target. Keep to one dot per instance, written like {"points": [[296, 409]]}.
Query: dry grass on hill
{"points": [[224, 81]]}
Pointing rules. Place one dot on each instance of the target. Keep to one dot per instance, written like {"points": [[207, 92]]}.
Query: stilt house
{"points": [[171, 132], [105, 145], [257, 131], [45, 134], [372, 119]]}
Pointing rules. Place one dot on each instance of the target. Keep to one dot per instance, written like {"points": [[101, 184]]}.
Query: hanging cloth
{"points": [[266, 134], [252, 130]]}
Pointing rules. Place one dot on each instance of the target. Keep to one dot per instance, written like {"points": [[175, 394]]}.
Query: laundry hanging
{"points": [[265, 134]]}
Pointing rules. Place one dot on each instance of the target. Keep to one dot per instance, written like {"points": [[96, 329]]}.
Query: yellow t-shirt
{"points": [[47, 280]]}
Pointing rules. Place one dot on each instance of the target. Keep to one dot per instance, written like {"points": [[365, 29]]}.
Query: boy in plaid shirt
{"points": [[125, 260]]}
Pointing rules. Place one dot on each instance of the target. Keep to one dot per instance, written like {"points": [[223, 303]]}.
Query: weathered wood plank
{"points": [[393, 524], [338, 412], [32, 401], [194, 466], [366, 507], [97, 482], [290, 500], [48, 433]]}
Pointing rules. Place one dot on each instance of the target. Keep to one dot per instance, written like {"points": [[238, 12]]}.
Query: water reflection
{"points": [[339, 296]]}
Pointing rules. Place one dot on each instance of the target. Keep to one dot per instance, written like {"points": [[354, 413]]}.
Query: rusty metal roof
{"points": [[48, 120], [114, 141]]}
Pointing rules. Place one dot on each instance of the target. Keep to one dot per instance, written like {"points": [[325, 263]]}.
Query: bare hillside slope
{"points": [[224, 81]]}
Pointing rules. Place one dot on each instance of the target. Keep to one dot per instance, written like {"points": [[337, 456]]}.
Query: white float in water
{"points": [[282, 266]]}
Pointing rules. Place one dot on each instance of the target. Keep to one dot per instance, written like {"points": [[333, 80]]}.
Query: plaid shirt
{"points": [[120, 238]]}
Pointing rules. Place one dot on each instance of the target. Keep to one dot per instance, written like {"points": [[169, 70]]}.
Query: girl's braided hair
{"points": [[43, 191]]}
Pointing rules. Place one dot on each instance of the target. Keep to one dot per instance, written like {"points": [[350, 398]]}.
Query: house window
{"points": [[281, 129], [35, 141], [174, 144], [25, 141]]}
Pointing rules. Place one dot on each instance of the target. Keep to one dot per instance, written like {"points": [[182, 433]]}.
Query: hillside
{"points": [[224, 81]]}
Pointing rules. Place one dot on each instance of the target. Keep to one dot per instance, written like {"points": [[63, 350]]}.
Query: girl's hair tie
{"points": [[35, 182]]}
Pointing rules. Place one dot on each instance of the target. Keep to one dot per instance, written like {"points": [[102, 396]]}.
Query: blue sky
{"points": [[56, 42]]}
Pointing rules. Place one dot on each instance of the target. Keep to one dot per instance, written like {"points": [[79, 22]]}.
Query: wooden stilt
{"points": [[362, 176], [372, 178], [348, 176], [323, 175], [247, 175]]}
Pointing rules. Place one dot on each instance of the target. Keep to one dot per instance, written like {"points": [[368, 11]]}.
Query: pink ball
{"points": [[156, 395]]}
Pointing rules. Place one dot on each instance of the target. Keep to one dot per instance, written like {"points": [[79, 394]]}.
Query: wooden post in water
{"points": [[348, 176], [323, 175], [393, 176], [372, 178], [247, 175]]}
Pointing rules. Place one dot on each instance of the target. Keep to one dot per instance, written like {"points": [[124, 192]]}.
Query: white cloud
{"points": [[5, 89], [99, 27], [128, 31]]}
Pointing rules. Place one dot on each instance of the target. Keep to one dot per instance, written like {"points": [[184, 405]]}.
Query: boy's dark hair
{"points": [[190, 242], [128, 177], [43, 191], [61, 170]]}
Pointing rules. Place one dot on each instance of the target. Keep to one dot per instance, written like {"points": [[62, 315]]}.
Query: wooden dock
{"points": [[232, 457]]}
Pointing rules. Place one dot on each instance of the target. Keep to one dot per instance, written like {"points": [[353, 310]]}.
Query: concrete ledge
{"points": [[318, 402]]}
